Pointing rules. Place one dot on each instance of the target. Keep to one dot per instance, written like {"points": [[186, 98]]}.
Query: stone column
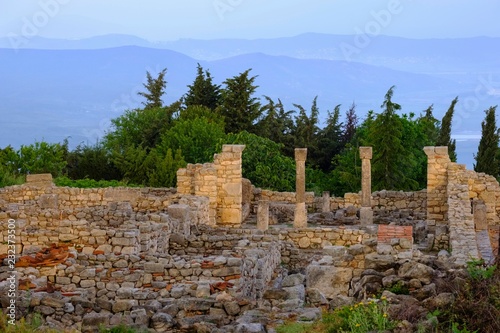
{"points": [[366, 212], [263, 215], [325, 208], [300, 218]]}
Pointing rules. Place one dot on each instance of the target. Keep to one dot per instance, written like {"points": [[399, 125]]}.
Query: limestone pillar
{"points": [[300, 218], [437, 181], [325, 208], [366, 212], [229, 185], [263, 215]]}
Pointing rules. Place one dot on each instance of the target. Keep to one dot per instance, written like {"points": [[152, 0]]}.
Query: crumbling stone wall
{"points": [[452, 191], [220, 181]]}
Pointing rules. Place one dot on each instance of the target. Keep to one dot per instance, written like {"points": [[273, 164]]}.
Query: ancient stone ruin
{"points": [[219, 255]]}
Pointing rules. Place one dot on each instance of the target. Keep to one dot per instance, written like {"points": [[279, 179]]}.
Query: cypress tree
{"points": [[486, 158], [390, 158], [444, 138]]}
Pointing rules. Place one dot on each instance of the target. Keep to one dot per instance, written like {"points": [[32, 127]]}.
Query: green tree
{"points": [[91, 161], [329, 140], [306, 131], [444, 138], [197, 138], [414, 136], [162, 169], [203, 91], [487, 152], [346, 170], [277, 125], [263, 162], [346, 176], [144, 129], [429, 125], [42, 157], [239, 106], [149, 168], [350, 125], [155, 88], [9, 160], [390, 159]]}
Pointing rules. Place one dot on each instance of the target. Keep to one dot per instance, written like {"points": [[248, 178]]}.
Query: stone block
{"points": [[300, 154], [95, 320], [42, 179], [365, 153], [178, 211], [151, 267], [122, 305], [48, 201], [331, 280]]}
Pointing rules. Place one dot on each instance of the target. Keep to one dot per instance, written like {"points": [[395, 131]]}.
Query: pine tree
{"points": [[239, 108], [155, 88], [486, 158], [203, 91], [444, 138]]}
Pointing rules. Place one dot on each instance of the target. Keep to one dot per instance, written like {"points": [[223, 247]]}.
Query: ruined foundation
{"points": [[175, 259]]}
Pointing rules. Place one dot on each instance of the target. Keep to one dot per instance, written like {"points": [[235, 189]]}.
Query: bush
{"points": [[477, 302], [89, 183]]}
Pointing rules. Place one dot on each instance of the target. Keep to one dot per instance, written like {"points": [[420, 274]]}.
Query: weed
{"points": [[358, 318], [399, 288], [478, 270]]}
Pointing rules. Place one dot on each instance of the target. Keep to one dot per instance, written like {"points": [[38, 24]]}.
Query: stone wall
{"points": [[381, 200]]}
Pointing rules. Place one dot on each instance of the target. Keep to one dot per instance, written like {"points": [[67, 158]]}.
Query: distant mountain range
{"points": [[52, 89]]}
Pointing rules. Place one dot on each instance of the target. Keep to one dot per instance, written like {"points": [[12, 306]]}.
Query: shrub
{"points": [[477, 301]]}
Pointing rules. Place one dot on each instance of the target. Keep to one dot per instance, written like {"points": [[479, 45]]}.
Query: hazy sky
{"points": [[207, 19]]}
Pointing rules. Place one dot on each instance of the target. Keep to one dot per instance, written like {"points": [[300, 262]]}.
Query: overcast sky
{"points": [[162, 20]]}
